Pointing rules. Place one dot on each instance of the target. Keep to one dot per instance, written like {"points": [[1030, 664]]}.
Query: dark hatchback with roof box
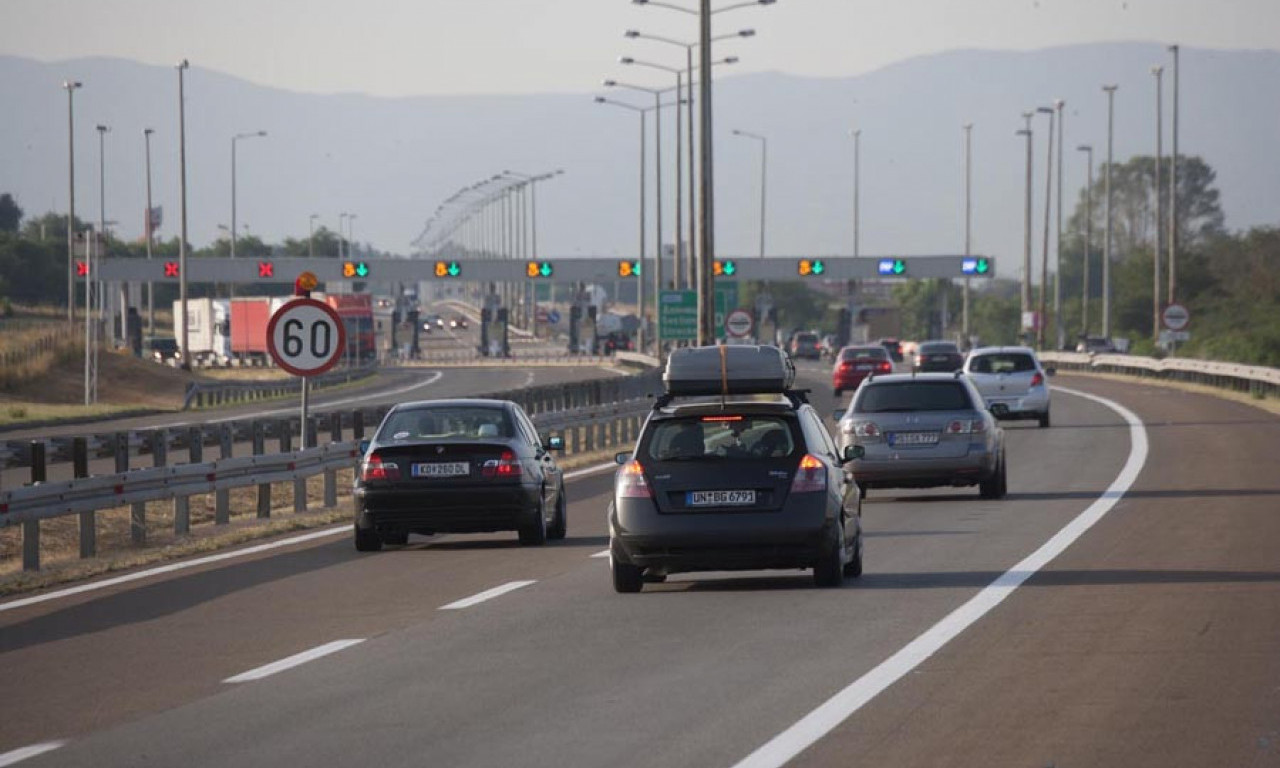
{"points": [[740, 475]]}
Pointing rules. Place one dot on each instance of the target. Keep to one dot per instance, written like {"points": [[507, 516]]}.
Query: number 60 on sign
{"points": [[306, 337]]}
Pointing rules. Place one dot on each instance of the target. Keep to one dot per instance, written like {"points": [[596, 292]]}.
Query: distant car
{"points": [[805, 344], [162, 348], [459, 321], [615, 341], [458, 466], [855, 363], [433, 319], [1096, 345], [894, 347], [1012, 381], [923, 430], [937, 356], [829, 346]]}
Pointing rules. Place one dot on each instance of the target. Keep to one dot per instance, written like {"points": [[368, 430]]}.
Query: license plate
{"points": [[720, 498], [941, 358], [864, 367], [913, 438], [442, 469]]}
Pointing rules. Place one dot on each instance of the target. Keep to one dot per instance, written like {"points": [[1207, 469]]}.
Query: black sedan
{"points": [[458, 466], [739, 486], [937, 356]]}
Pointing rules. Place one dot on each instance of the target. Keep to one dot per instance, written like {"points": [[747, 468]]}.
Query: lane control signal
{"points": [[171, 269], [628, 269], [266, 269], [893, 267], [355, 269], [725, 268], [975, 266], [811, 268], [82, 268], [538, 269], [448, 269]]}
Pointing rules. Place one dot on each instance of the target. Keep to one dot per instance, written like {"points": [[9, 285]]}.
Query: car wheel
{"points": [[534, 533], [627, 578], [838, 391], [395, 538], [1044, 419], [990, 487], [863, 489], [559, 526], [828, 571], [367, 540], [853, 568], [1004, 477]]}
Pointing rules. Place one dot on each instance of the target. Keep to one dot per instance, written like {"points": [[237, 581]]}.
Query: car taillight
{"points": [[377, 469], [811, 475], [966, 427], [862, 429], [631, 483], [846, 366], [886, 366], [507, 465], [1037, 380]]}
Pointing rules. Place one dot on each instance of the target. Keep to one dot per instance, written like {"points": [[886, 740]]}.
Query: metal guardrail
{"points": [[204, 395], [1256, 380]]}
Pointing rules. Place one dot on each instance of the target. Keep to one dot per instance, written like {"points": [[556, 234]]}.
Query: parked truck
{"points": [[356, 311], [207, 324], [249, 318]]}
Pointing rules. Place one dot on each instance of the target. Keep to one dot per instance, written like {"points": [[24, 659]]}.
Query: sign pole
{"points": [[302, 426]]}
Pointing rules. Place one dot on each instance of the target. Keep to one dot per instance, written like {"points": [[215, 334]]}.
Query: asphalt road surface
{"points": [[1120, 608]]}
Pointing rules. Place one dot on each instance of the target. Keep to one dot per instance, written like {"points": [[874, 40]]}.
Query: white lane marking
{"points": [[170, 568], [488, 594], [295, 660], [601, 554], [18, 755], [821, 721], [431, 379]]}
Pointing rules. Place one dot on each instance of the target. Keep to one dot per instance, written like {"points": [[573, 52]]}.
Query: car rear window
{"points": [[938, 348], [913, 396], [447, 423], [1003, 362], [865, 353], [807, 338], [720, 437]]}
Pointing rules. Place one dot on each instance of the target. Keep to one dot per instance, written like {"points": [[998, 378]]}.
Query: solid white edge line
{"points": [[292, 661], [601, 554], [821, 721], [23, 753], [180, 566], [488, 594]]}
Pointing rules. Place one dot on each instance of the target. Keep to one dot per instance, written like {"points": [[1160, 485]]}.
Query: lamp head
{"points": [[600, 99], [746, 33], [626, 60], [610, 83], [184, 64], [1084, 148], [631, 33], [1045, 110]]}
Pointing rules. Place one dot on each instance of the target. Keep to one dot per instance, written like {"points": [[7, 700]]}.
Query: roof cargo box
{"points": [[728, 370]]}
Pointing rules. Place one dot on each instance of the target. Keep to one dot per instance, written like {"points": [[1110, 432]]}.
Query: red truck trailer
{"points": [[356, 311]]}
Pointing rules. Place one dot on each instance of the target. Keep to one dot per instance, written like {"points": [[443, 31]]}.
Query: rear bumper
{"points": [[970, 469], [459, 509], [1029, 406], [672, 543]]}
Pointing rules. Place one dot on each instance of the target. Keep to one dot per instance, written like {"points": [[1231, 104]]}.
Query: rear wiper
{"points": [[701, 457]]}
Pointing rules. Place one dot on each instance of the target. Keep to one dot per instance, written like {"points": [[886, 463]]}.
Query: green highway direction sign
{"points": [[678, 312], [599, 270]]}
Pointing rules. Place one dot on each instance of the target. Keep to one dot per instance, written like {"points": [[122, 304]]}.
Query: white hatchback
{"points": [[1012, 381]]}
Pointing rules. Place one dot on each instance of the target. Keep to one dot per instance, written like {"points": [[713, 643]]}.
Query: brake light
{"points": [[631, 483], [966, 427], [721, 418], [811, 475], [1037, 380], [846, 365], [377, 469], [507, 465], [863, 429], [886, 366]]}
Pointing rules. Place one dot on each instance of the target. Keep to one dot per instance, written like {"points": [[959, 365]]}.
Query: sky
{"points": [[417, 47]]}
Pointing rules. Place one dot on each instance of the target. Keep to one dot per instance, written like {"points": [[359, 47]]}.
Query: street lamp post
{"points": [[70, 86], [640, 112], [968, 220], [856, 133], [234, 139], [1057, 248], [1025, 292], [1106, 247], [1088, 241], [764, 163], [1044, 258], [150, 233], [1158, 252], [182, 241], [1173, 188]]}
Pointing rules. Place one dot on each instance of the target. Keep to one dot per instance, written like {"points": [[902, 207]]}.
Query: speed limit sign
{"points": [[306, 337]]}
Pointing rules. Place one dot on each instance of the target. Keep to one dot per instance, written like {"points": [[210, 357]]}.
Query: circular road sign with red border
{"points": [[1175, 317], [739, 323], [306, 337]]}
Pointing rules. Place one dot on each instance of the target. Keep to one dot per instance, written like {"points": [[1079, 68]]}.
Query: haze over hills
{"points": [[392, 161]]}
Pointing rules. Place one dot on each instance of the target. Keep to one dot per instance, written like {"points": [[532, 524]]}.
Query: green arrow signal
{"points": [[818, 267], [899, 266], [454, 269], [983, 266], [545, 269], [362, 270], [730, 267]]}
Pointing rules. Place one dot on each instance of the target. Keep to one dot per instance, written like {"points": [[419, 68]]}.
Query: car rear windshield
{"points": [[446, 423], [913, 396], [807, 338], [720, 437], [1003, 362], [865, 353], [937, 348]]}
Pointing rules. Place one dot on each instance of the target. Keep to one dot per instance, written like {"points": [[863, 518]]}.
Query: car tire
{"points": [[395, 538], [367, 540], [828, 572], [627, 578], [838, 391], [534, 533], [853, 568], [991, 488], [560, 525], [1043, 419], [863, 489], [1004, 477]]}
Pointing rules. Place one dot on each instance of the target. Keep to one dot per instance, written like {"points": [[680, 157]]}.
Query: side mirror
{"points": [[853, 452], [364, 447], [555, 443], [839, 413], [622, 458]]}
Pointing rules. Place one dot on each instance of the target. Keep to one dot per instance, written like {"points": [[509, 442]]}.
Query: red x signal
{"points": [[266, 269], [171, 269], [82, 269]]}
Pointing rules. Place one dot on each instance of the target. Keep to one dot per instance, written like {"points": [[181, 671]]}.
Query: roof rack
{"points": [[796, 397]]}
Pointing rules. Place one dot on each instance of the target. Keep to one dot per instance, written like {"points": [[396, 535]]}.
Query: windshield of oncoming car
{"points": [[913, 396], [446, 423], [720, 437]]}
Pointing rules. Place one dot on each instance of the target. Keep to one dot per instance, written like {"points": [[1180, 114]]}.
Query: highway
{"points": [[1120, 608]]}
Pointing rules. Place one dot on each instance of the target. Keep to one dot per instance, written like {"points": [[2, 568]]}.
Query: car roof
{"points": [[459, 403], [997, 350], [736, 406], [899, 378]]}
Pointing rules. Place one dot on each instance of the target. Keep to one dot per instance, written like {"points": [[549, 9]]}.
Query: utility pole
{"points": [[151, 288], [1026, 232], [968, 222], [1173, 189], [1044, 258], [1057, 257], [1106, 249], [706, 292], [71, 87], [182, 241], [1088, 243], [1157, 251]]}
